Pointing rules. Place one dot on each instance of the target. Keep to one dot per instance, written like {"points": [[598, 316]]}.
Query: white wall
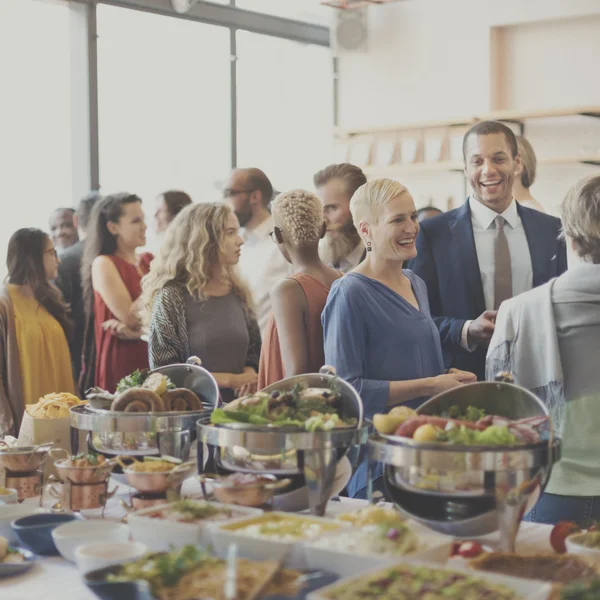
{"points": [[435, 59]]}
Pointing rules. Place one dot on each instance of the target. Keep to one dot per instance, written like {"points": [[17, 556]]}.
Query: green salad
{"points": [[312, 409], [494, 435], [471, 413]]}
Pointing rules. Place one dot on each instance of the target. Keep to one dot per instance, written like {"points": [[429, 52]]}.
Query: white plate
{"points": [[526, 589], [256, 548], [161, 535]]}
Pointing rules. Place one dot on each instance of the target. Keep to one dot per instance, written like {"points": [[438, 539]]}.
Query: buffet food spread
{"points": [[153, 525]]}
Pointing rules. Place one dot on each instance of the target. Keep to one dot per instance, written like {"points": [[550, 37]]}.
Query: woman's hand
{"points": [[464, 376], [445, 382], [121, 331], [245, 383]]}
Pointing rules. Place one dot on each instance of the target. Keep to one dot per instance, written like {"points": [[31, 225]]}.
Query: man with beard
{"points": [[249, 193], [63, 229], [342, 247]]}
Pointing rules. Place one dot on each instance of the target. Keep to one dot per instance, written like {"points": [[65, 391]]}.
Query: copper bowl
{"points": [[157, 482], [93, 474], [254, 493], [23, 459]]}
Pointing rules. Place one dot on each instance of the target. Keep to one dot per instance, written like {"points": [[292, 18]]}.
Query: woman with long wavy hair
{"points": [[34, 325], [111, 275], [196, 303]]}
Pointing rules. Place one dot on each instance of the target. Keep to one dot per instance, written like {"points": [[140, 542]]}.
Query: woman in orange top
{"points": [[34, 324], [294, 339], [111, 275]]}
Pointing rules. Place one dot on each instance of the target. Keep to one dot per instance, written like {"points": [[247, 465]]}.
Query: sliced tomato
{"points": [[559, 534]]}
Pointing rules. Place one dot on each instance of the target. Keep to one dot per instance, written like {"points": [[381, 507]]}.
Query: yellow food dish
{"points": [[53, 406]]}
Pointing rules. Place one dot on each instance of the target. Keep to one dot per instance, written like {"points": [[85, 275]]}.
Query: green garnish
{"points": [[165, 569], [471, 413], [137, 378]]}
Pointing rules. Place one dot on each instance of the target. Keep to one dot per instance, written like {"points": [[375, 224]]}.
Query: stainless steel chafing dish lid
{"points": [[352, 406], [192, 376], [500, 397]]}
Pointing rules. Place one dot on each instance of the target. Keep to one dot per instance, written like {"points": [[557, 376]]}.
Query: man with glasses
{"points": [[249, 193]]}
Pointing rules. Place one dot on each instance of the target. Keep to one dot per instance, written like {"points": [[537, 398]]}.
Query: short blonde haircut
{"points": [[529, 161], [368, 199], [301, 215], [581, 217], [193, 246]]}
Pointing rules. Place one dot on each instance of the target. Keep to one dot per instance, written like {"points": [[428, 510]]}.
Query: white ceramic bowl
{"points": [[574, 545], [98, 555], [9, 496], [160, 534], [69, 536], [11, 512]]}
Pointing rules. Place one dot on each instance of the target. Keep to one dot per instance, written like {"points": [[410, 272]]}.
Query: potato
{"points": [[426, 433], [387, 424], [404, 412]]}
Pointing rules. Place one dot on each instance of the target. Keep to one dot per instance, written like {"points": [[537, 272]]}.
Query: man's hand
{"points": [[482, 328]]}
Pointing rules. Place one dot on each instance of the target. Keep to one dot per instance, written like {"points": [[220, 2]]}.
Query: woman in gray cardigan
{"points": [[548, 337], [196, 302]]}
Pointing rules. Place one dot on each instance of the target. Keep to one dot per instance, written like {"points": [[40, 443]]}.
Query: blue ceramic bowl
{"points": [[35, 531]]}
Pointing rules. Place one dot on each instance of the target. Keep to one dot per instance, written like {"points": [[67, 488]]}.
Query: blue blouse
{"points": [[373, 335]]}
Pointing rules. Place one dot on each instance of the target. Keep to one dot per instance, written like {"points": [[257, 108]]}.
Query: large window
{"points": [[285, 108], [164, 105], [35, 108]]}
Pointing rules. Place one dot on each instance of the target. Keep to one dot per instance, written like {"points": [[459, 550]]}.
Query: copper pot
{"points": [[23, 459], [75, 497], [244, 494], [159, 482], [28, 485], [94, 474]]}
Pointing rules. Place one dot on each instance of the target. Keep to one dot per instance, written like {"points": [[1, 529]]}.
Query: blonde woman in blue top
{"points": [[378, 332]]}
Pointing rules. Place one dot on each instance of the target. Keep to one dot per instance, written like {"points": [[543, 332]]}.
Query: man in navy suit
{"points": [[488, 250]]}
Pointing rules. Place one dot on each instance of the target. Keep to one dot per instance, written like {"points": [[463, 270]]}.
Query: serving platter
{"points": [[140, 590]]}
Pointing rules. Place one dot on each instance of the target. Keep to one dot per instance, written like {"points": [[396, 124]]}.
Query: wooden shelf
{"points": [[446, 166], [504, 115], [451, 166]]}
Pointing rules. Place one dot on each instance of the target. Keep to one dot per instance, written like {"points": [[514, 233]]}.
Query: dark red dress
{"points": [[117, 358]]}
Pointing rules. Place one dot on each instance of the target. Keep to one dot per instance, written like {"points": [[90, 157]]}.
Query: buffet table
{"points": [[52, 574]]}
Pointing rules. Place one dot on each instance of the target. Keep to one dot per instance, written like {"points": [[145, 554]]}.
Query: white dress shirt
{"points": [[262, 266], [484, 232]]}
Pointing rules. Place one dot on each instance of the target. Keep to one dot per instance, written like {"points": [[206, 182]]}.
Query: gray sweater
{"points": [[218, 330]]}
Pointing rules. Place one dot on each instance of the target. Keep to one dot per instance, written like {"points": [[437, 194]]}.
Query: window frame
{"points": [[224, 15]]}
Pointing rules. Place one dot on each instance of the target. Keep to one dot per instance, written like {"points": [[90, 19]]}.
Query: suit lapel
{"points": [[462, 233], [541, 259]]}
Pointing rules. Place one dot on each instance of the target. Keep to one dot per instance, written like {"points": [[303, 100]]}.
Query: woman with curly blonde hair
{"points": [[294, 338], [196, 302]]}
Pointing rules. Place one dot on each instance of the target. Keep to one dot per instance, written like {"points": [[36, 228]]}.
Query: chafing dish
{"points": [[167, 433], [309, 458], [467, 491]]}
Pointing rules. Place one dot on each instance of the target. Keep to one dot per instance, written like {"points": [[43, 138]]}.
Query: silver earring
{"points": [[368, 246]]}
